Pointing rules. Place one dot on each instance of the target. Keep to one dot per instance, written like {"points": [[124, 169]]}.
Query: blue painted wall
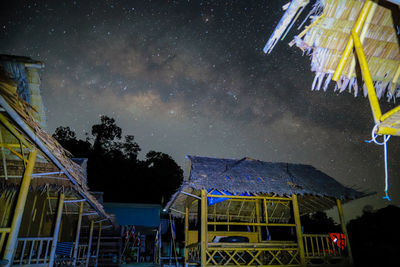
{"points": [[135, 214]]}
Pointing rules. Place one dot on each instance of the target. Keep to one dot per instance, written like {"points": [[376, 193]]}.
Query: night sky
{"points": [[190, 77]]}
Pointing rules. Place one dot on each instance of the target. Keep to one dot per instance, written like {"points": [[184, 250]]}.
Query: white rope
{"points": [[384, 144]]}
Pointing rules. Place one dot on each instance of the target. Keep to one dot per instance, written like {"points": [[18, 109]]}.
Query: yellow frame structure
{"points": [[308, 250], [385, 122], [9, 235]]}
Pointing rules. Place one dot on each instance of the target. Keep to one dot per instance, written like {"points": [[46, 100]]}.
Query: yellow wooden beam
{"points": [[258, 220], [250, 197], [373, 99], [349, 46], [252, 224], [265, 210], [11, 148], [186, 230], [300, 243], [19, 209], [344, 230], [388, 131], [390, 113], [10, 145], [18, 155], [204, 229], [14, 131]]}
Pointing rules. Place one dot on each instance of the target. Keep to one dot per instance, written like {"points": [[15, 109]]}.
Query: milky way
{"points": [[190, 77]]}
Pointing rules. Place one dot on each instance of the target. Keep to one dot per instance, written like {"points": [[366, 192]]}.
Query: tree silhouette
{"points": [[67, 138], [106, 135], [130, 147], [162, 169], [374, 237], [114, 168]]}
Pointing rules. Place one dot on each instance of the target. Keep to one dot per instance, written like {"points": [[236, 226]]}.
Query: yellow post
{"points": [[19, 209], [258, 220], [265, 210], [373, 99], [56, 229], [89, 243], [78, 232], [186, 230], [344, 230], [300, 243], [349, 46], [204, 229]]}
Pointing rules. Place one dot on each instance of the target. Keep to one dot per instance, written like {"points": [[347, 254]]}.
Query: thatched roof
{"points": [[326, 37], [22, 59], [262, 178], [20, 114]]}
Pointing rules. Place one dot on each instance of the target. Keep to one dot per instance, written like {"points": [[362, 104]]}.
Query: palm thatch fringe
{"points": [[8, 92], [316, 190], [326, 37]]}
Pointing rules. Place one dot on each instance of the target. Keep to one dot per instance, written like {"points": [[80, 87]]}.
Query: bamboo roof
{"points": [[325, 38], [20, 114], [316, 190]]}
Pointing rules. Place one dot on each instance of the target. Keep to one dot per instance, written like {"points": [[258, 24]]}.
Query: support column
{"points": [[89, 243], [19, 209], [56, 229], [186, 230], [98, 245], [204, 228], [300, 243], [344, 230], [258, 220], [78, 233]]}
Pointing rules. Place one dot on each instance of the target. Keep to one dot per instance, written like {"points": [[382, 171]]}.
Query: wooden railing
{"points": [[253, 256], [33, 251], [238, 254], [320, 249], [280, 253], [194, 253], [82, 253], [3, 234]]}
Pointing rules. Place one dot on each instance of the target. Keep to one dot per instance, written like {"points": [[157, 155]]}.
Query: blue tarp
{"points": [[135, 214], [214, 200]]}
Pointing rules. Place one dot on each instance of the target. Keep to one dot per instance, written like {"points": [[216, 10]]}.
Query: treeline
{"points": [[114, 167], [375, 237]]}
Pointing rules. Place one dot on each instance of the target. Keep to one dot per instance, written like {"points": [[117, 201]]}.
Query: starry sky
{"points": [[190, 77]]}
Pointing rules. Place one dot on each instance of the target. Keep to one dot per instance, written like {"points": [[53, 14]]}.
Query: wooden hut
{"points": [[338, 26], [239, 202], [44, 199]]}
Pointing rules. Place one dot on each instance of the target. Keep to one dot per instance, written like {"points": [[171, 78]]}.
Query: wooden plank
{"points": [[204, 229], [296, 214]]}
